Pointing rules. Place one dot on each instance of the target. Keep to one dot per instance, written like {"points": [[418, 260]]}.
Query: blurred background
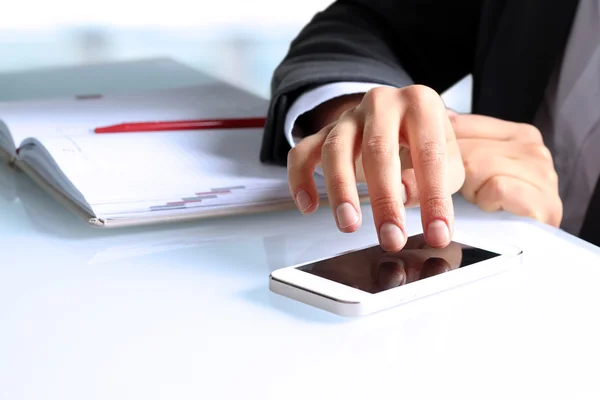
{"points": [[239, 41]]}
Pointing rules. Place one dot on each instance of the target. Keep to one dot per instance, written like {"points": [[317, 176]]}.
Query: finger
{"points": [[456, 173], [340, 149], [408, 178], [481, 169], [302, 161], [428, 129], [381, 164], [479, 126], [520, 198]]}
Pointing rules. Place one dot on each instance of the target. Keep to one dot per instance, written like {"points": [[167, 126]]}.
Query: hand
{"points": [[507, 168], [377, 126]]}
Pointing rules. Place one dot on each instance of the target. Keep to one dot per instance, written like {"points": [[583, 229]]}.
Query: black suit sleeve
{"points": [[379, 41]]}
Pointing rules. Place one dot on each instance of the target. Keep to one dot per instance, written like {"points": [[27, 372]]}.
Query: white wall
{"points": [[34, 14], [241, 41]]}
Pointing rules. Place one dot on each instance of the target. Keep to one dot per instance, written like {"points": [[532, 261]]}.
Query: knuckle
{"points": [[541, 152], [542, 162], [293, 157], [378, 98], [379, 92], [388, 206], [347, 114], [431, 153], [333, 144], [468, 193], [545, 154], [337, 184], [470, 167], [497, 187], [546, 173], [551, 176], [420, 94], [378, 146], [436, 204], [302, 158], [531, 133]]}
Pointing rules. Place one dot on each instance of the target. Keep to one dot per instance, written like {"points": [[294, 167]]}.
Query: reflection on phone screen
{"points": [[374, 270]]}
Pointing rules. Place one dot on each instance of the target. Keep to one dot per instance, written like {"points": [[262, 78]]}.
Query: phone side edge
{"points": [[315, 299]]}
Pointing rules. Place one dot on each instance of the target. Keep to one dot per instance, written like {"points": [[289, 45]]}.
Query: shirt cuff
{"points": [[311, 99]]}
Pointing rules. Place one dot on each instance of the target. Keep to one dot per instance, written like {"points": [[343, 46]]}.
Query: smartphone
{"points": [[368, 280]]}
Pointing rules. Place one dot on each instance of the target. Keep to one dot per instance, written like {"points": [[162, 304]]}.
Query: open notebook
{"points": [[126, 179]]}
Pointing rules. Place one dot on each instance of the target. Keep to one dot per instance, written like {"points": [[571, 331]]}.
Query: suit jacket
{"points": [[511, 48]]}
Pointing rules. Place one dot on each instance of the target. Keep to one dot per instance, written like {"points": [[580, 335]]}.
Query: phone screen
{"points": [[374, 270]]}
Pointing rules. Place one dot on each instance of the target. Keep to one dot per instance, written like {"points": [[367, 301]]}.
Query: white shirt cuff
{"points": [[311, 99]]}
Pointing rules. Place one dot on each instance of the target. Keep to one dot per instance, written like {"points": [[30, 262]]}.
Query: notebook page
{"points": [[80, 115], [141, 171]]}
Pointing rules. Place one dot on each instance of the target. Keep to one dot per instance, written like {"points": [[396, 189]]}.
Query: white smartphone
{"points": [[369, 280]]}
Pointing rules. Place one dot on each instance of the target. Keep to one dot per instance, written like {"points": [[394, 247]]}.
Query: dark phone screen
{"points": [[374, 270]]}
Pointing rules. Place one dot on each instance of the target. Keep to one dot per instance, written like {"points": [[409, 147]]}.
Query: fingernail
{"points": [[346, 215], [438, 233], [403, 194], [391, 274], [303, 200], [391, 236]]}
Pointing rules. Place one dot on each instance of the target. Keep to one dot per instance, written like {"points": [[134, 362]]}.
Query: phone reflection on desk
{"points": [[373, 270]]}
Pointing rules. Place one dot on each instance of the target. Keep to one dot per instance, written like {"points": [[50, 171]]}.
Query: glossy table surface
{"points": [[184, 311]]}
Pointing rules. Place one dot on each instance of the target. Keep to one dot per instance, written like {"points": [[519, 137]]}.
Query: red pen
{"points": [[235, 123]]}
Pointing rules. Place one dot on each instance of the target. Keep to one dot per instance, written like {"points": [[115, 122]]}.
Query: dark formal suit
{"points": [[511, 47]]}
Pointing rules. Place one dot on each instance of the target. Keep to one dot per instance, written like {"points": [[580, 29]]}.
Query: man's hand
{"points": [[507, 168], [374, 128]]}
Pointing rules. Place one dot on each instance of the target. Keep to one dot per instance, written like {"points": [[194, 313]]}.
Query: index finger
{"points": [[427, 128]]}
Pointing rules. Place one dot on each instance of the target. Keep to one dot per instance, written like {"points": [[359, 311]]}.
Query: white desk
{"points": [[184, 312]]}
